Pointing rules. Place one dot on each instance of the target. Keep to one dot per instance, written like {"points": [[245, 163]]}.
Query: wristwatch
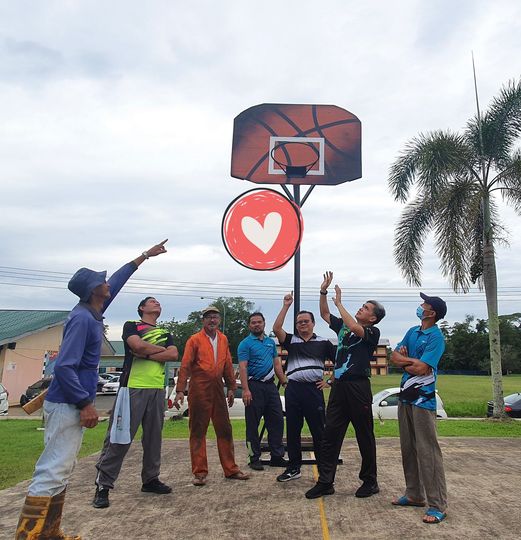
{"points": [[323, 293], [145, 254]]}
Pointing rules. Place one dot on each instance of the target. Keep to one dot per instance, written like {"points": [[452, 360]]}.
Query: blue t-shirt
{"points": [[427, 346], [259, 354]]}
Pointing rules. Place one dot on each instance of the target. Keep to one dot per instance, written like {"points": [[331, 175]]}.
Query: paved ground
{"points": [[483, 476]]}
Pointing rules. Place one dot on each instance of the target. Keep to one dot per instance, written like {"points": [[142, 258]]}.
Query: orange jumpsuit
{"points": [[206, 399]]}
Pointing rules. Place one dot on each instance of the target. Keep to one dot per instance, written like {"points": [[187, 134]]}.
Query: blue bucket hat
{"points": [[84, 281]]}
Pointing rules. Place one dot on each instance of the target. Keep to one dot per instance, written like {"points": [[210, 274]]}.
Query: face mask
{"points": [[419, 312]]}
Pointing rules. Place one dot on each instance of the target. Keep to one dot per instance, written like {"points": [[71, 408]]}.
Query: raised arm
{"points": [[348, 319], [121, 276], [324, 308], [154, 251], [281, 317]]}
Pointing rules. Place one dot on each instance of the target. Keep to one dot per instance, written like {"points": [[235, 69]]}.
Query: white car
{"points": [[4, 404], [385, 405], [112, 386], [235, 411]]}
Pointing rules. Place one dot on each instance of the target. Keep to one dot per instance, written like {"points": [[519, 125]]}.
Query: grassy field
{"points": [[462, 395], [21, 443]]}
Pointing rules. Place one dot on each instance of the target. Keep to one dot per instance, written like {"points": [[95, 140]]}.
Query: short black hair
{"points": [[256, 314], [378, 310], [308, 312], [141, 304]]}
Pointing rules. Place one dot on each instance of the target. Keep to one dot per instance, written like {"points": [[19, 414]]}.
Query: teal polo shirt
{"points": [[259, 354], [427, 346]]}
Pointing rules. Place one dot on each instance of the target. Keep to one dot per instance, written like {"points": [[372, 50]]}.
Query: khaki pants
{"points": [[421, 456]]}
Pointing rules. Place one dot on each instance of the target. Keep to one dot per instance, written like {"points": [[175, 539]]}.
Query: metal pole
{"points": [[296, 272]]}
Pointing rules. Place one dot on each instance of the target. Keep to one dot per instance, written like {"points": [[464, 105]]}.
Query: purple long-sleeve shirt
{"points": [[76, 368]]}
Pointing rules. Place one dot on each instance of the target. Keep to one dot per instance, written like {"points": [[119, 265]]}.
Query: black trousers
{"points": [[303, 401], [349, 401], [265, 402]]}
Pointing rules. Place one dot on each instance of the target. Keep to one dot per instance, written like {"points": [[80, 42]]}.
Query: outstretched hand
{"points": [[158, 249], [328, 278], [337, 299]]}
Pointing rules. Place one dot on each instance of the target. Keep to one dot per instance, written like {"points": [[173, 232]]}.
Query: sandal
{"points": [[436, 514], [405, 501]]}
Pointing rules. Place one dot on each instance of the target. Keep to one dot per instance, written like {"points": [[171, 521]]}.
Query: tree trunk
{"points": [[490, 283]]}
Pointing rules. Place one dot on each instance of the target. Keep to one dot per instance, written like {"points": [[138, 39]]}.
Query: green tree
{"points": [[467, 349], [456, 178]]}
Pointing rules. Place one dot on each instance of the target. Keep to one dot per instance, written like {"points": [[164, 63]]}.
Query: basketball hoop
{"points": [[295, 154]]}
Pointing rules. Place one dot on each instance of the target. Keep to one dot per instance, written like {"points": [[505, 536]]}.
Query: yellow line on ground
{"points": [[320, 500]]}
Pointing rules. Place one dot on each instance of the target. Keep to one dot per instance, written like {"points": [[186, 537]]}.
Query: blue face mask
{"points": [[419, 312]]}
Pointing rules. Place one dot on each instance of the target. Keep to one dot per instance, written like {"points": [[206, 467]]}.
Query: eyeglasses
{"points": [[304, 321]]}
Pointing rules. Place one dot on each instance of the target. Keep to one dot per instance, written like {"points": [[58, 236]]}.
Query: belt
{"points": [[268, 381]]}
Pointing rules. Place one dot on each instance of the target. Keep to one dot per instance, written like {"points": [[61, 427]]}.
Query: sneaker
{"points": [[367, 489], [278, 461], [256, 465], [101, 498], [289, 474], [156, 486], [320, 489]]}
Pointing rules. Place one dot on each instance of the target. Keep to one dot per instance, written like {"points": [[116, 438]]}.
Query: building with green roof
{"points": [[28, 339]]}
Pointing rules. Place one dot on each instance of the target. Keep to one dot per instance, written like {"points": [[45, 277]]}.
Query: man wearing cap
{"points": [[418, 354], [69, 404], [142, 385], [206, 361]]}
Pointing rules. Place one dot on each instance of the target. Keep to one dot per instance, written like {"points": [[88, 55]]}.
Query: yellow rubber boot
{"points": [[52, 530], [32, 519]]}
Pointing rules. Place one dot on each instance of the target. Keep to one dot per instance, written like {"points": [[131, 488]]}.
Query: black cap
{"points": [[437, 304], [141, 304]]}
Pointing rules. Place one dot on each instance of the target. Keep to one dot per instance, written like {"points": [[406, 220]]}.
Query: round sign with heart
{"points": [[262, 229]]}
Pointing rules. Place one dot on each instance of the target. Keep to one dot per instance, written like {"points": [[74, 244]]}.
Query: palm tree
{"points": [[456, 179]]}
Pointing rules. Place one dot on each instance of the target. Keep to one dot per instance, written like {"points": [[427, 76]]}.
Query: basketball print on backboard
{"points": [[296, 144]]}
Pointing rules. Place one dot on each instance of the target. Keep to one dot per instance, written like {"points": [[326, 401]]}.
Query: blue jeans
{"points": [[63, 436]]}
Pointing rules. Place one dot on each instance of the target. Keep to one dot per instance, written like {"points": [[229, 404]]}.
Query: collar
{"points": [[253, 336], [428, 330], [96, 314], [313, 336]]}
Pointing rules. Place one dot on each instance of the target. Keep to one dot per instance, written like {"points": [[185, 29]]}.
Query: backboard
{"points": [[296, 144]]}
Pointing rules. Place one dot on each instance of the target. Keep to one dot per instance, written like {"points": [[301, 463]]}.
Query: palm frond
{"points": [[410, 235], [457, 212], [429, 161], [500, 126], [509, 181]]}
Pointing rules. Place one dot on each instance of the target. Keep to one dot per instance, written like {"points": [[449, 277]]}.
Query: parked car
{"points": [[112, 386], [35, 389], [512, 405], [385, 405], [4, 403], [102, 381], [236, 410]]}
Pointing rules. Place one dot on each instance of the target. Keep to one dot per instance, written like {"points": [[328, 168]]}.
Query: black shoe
{"points": [[101, 498], [256, 465], [156, 486], [278, 461], [289, 474], [320, 489], [367, 489]]}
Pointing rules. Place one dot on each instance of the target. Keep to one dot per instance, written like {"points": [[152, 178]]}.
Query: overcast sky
{"points": [[116, 126]]}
